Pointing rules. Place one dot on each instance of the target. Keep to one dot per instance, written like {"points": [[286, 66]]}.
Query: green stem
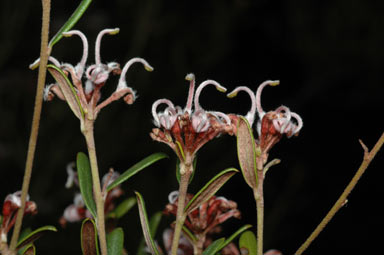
{"points": [[99, 200], [368, 157], [259, 198], [186, 170], [46, 4]]}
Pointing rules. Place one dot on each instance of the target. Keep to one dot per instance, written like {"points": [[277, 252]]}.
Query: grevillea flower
{"points": [[11, 205], [272, 125], [203, 222], [77, 211], [88, 95], [187, 130]]}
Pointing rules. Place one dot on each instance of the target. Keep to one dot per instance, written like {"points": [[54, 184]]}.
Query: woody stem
{"points": [[44, 53], [100, 219], [186, 171]]}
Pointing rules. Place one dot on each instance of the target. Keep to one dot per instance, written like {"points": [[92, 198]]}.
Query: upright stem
{"points": [[368, 157], [100, 220], [35, 121], [187, 170], [259, 198]]}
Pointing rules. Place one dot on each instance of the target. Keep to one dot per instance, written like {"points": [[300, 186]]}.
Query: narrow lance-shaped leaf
{"points": [[248, 243], [246, 152], [234, 235], [29, 250], [85, 182], [123, 208], [89, 245], [144, 224], [137, 168], [71, 21], [68, 90], [209, 189], [34, 235], [214, 247], [115, 242], [153, 225]]}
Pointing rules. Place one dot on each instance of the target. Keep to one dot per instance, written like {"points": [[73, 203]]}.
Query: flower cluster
{"points": [[77, 211], [96, 75], [11, 205], [187, 130], [272, 125], [203, 222]]}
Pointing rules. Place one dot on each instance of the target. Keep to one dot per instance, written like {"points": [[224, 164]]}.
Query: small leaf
{"points": [[189, 235], [214, 247], [89, 244], [246, 152], [209, 189], [123, 208], [248, 243], [29, 250], [85, 182], [34, 235], [115, 242], [153, 225], [71, 21], [234, 235], [178, 175], [137, 168], [144, 224], [68, 90]]}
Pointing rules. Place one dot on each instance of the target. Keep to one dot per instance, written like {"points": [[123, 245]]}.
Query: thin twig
{"points": [[368, 157], [44, 53]]}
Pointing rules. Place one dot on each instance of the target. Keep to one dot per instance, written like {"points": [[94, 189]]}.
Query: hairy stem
{"points": [[99, 200], [368, 157], [180, 216], [258, 194], [44, 53]]}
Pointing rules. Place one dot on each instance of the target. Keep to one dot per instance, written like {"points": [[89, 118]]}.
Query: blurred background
{"points": [[328, 56]]}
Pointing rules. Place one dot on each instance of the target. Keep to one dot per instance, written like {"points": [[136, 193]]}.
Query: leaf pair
{"points": [[89, 244], [85, 178]]}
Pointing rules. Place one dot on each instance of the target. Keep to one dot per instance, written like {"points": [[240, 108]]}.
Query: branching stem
{"points": [[368, 157], [44, 53], [258, 194]]}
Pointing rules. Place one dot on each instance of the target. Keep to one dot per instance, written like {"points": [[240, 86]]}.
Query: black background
{"points": [[328, 56]]}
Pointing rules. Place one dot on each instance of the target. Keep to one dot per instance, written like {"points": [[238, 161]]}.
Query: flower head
{"points": [[88, 94], [186, 129], [11, 205], [272, 125]]}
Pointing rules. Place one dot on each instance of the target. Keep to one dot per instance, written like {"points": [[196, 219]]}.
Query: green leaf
{"points": [[123, 208], [89, 245], [137, 168], [246, 152], [248, 243], [189, 235], [115, 242], [178, 175], [214, 247], [144, 224], [85, 182], [234, 235], [209, 189], [68, 90], [70, 22], [153, 225], [34, 235], [29, 250]]}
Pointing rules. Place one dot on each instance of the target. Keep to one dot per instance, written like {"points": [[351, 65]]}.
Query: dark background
{"points": [[328, 56]]}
